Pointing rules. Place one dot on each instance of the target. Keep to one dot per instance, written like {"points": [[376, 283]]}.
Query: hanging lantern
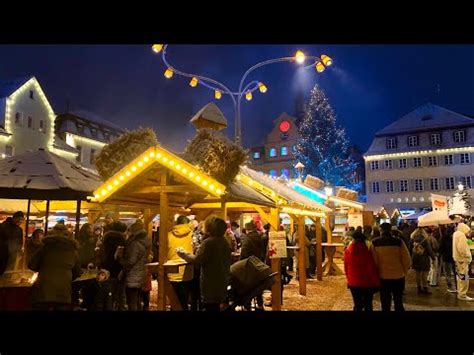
{"points": [[320, 67], [248, 95], [327, 61], [157, 48], [168, 73], [194, 81], [217, 94], [261, 86]]}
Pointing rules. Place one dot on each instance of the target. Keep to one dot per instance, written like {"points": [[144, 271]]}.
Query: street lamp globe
{"points": [[300, 57], [328, 190], [327, 61]]}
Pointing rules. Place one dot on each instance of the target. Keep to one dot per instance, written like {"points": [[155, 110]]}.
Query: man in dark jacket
{"points": [[214, 256], [446, 253], [135, 257], [253, 244], [11, 241], [57, 264]]}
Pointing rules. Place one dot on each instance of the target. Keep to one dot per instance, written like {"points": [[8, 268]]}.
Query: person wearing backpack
{"points": [[422, 254]]}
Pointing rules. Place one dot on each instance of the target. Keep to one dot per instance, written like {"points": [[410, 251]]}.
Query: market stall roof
{"points": [[139, 183], [415, 216], [279, 191], [434, 218], [43, 175], [319, 197]]}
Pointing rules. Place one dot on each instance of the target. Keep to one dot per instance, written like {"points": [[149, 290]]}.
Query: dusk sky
{"points": [[369, 86]]}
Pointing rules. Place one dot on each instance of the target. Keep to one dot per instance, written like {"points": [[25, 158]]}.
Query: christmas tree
{"points": [[323, 145], [459, 203]]}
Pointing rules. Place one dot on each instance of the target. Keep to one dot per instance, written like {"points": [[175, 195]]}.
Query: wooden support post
{"points": [[319, 249], [78, 217], [276, 264], [328, 228], [163, 242], [223, 210], [300, 239], [46, 218]]}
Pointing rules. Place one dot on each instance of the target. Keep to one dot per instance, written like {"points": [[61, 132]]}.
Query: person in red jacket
{"points": [[361, 273]]}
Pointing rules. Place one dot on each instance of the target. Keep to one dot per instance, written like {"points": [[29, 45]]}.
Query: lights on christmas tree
{"points": [[168, 73], [194, 81]]}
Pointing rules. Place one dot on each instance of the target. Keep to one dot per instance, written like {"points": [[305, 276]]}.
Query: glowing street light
{"points": [[328, 190], [300, 57], [194, 81], [327, 61], [217, 94], [157, 48], [168, 73], [320, 67], [263, 89]]}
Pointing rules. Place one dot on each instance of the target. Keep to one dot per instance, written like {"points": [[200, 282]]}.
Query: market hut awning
{"points": [[139, 183], [288, 199], [42, 175]]}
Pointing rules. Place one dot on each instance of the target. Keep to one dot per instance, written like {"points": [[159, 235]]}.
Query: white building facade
{"points": [[429, 150]]}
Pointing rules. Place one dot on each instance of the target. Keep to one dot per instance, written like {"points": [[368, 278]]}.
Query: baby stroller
{"points": [[248, 278]]}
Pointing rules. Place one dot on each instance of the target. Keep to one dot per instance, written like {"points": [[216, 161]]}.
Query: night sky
{"points": [[369, 86]]}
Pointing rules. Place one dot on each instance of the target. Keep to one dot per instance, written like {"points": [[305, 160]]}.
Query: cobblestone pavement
{"points": [[332, 294]]}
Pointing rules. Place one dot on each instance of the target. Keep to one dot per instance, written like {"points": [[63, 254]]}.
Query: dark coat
{"points": [[446, 247], [422, 262], [112, 240], [11, 237], [97, 296], [57, 263], [87, 253], [32, 248], [214, 257], [135, 257], [253, 244]]}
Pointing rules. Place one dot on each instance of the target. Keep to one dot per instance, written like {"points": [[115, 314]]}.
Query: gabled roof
{"points": [[427, 116], [42, 174], [9, 86], [93, 117], [284, 116], [210, 116]]}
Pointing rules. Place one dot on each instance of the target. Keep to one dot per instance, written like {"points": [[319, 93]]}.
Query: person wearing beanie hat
{"points": [[462, 258], [392, 259], [134, 259]]}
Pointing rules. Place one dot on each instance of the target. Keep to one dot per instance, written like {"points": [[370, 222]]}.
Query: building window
{"points": [[30, 122], [285, 172], [9, 150], [18, 120], [92, 157], [434, 184], [106, 136], [389, 186], [403, 185], [42, 126], [459, 136], [466, 181], [284, 151], [402, 164], [374, 165], [80, 128], [417, 162], [450, 183], [465, 158], [388, 164], [448, 159], [32, 94], [418, 184], [412, 141], [79, 156], [256, 155], [433, 161], [391, 143], [273, 172], [93, 132], [375, 187], [273, 152], [435, 139]]}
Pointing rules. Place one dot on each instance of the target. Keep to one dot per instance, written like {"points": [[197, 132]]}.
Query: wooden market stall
{"points": [[297, 206], [164, 183], [38, 176]]}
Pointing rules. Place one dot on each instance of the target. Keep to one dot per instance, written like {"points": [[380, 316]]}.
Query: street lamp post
{"points": [[245, 90]]}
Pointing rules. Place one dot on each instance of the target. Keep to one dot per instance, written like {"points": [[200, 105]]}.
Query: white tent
{"points": [[434, 218]]}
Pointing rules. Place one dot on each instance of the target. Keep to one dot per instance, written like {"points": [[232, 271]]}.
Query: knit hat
{"points": [[464, 228], [106, 272], [137, 227], [250, 226]]}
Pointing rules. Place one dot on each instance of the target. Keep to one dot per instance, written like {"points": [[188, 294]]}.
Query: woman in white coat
{"points": [[462, 257]]}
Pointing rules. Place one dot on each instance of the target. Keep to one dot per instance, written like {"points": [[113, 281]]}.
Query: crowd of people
{"points": [[378, 260]]}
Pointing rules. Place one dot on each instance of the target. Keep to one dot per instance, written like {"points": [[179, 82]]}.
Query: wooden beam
{"points": [[266, 217], [319, 249], [328, 228], [276, 264], [300, 240], [223, 211], [163, 242], [158, 189], [217, 205]]}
